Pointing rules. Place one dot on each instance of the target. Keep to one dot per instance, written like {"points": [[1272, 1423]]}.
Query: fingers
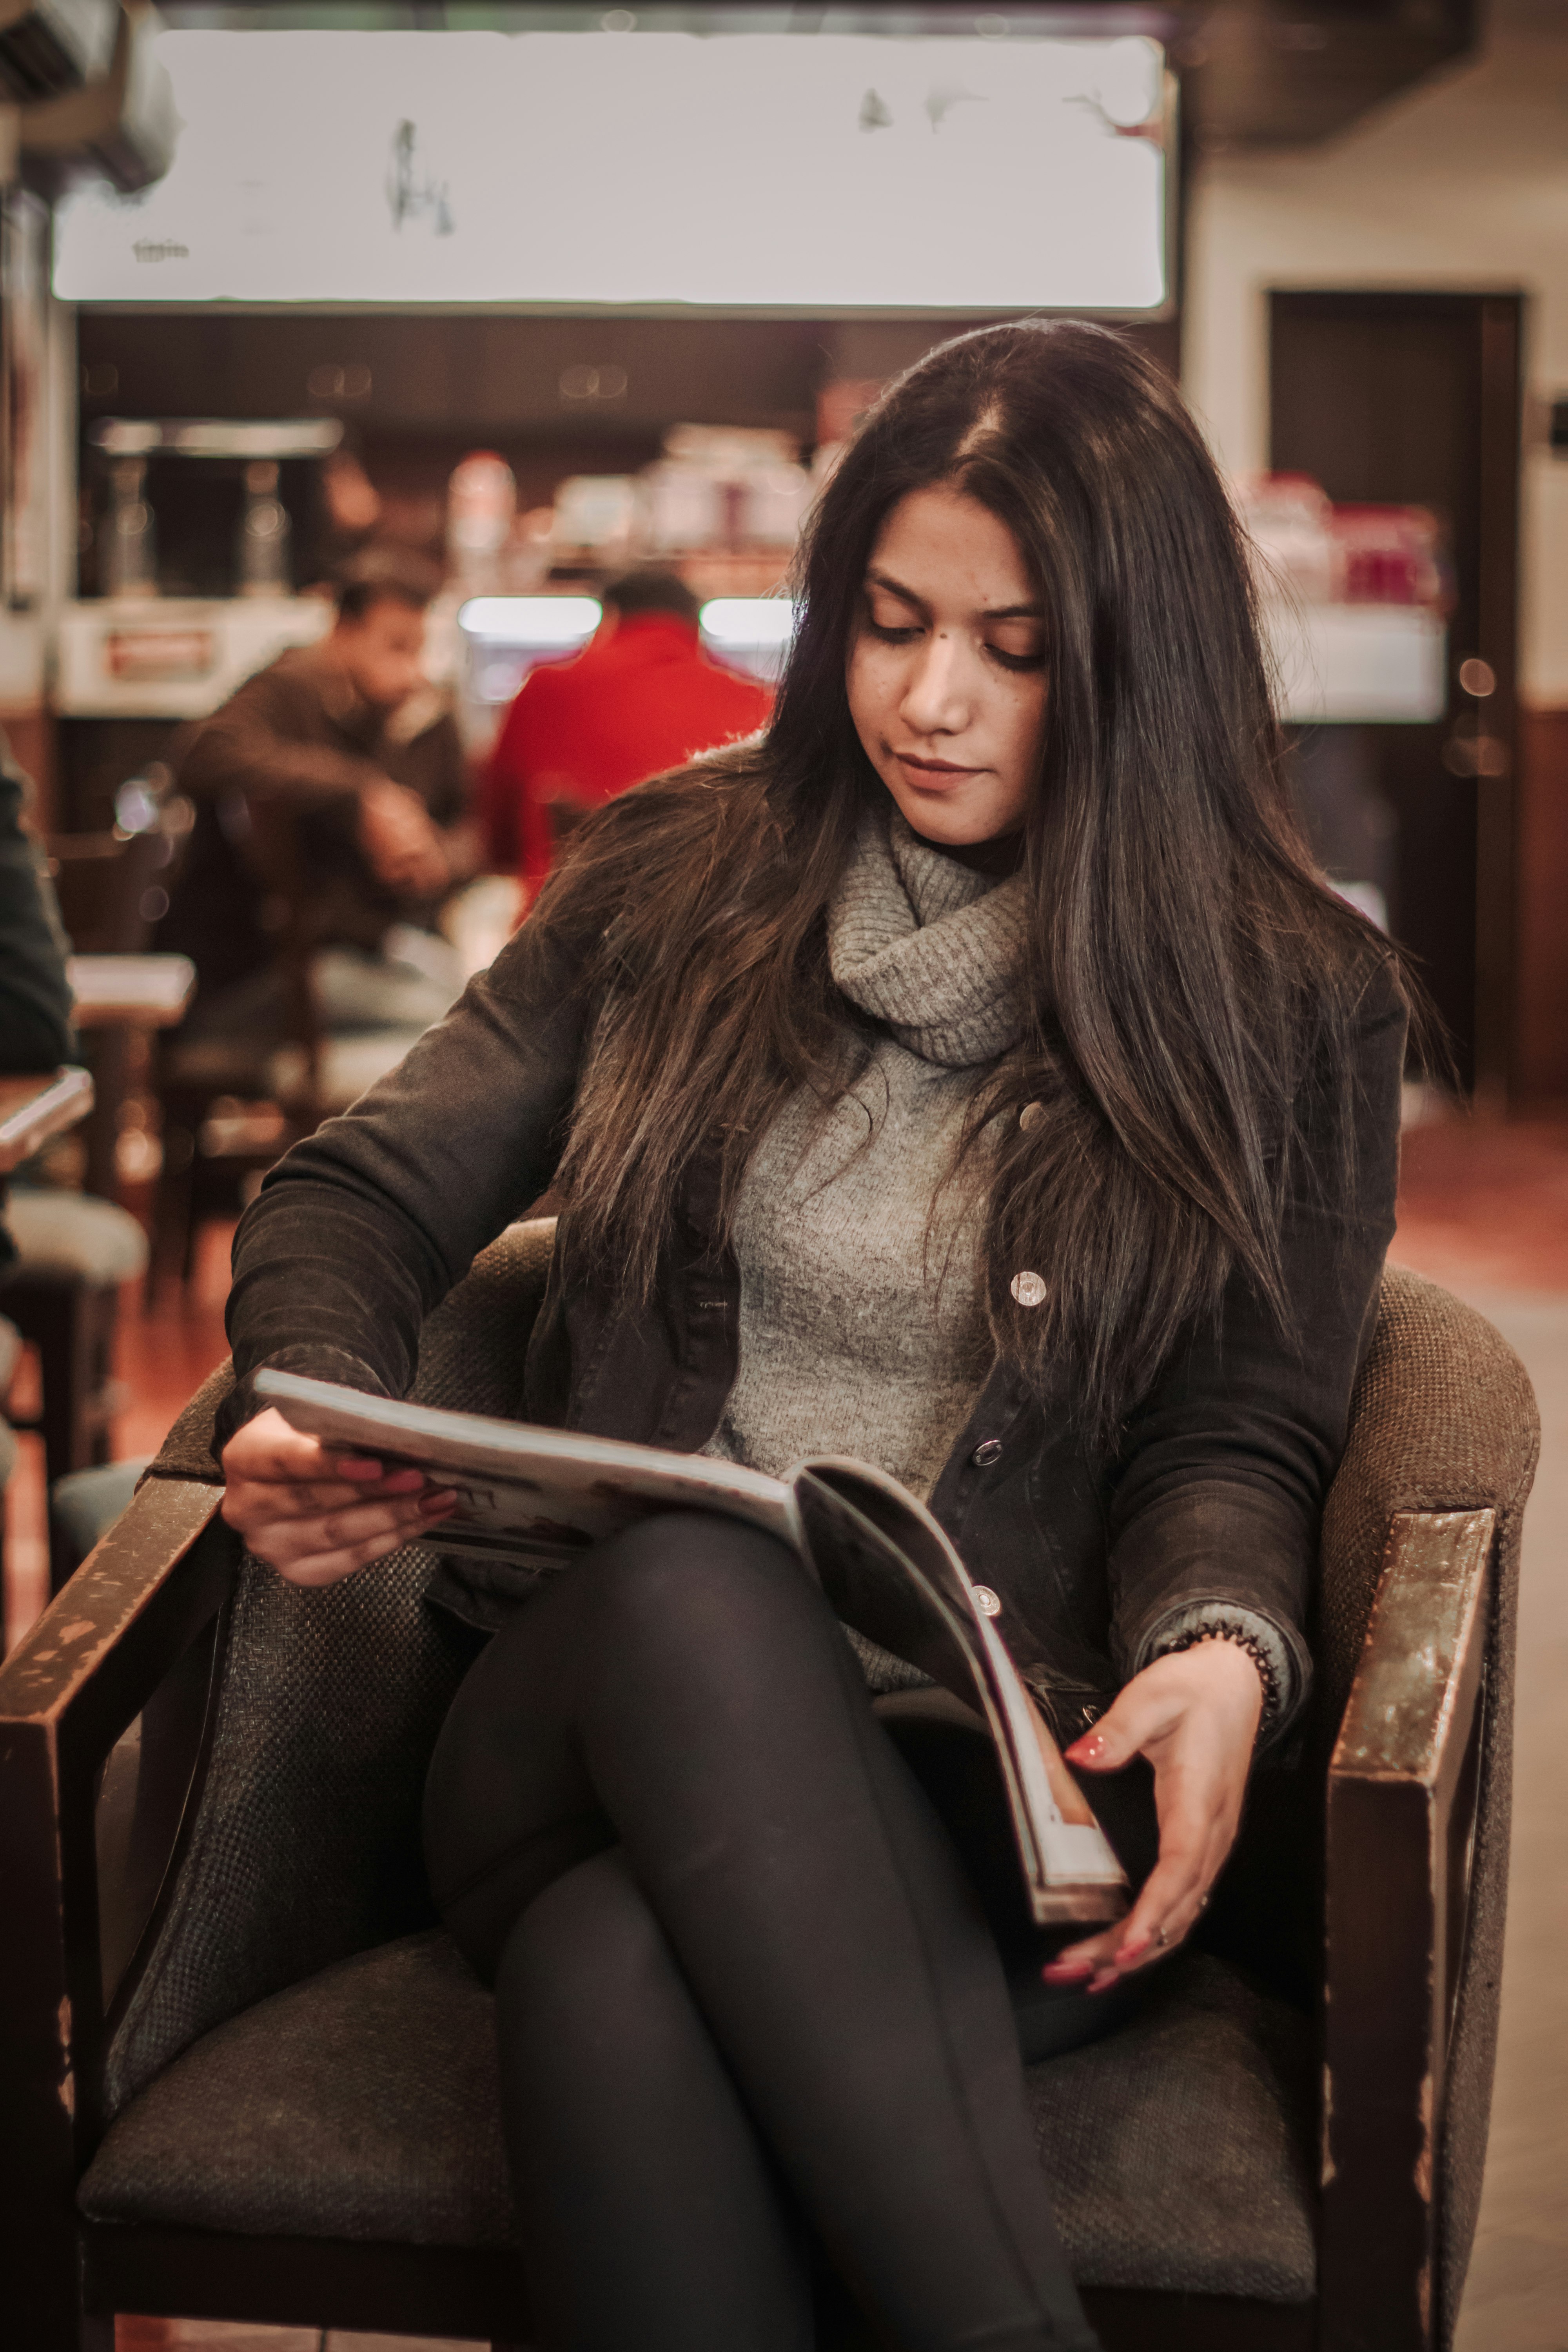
{"points": [[1196, 1731], [309, 1497], [1139, 1716], [324, 1547], [1167, 1909], [330, 1567], [314, 1515], [268, 1448]]}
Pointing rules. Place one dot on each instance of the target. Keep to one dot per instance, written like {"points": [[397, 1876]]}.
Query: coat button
{"points": [[989, 1450], [1028, 1289], [985, 1601]]}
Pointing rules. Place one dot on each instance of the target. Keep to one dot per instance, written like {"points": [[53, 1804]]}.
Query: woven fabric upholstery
{"points": [[1178, 2152], [362, 2104], [187, 1451], [1444, 1419], [359, 2104], [306, 1846]]}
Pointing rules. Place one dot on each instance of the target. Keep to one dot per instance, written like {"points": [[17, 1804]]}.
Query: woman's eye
{"points": [[1032, 659], [891, 633]]}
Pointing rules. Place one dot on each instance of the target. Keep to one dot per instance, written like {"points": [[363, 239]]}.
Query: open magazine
{"points": [[536, 1497]]}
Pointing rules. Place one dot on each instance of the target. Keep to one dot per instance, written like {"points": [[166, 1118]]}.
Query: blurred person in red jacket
{"points": [[640, 698]]}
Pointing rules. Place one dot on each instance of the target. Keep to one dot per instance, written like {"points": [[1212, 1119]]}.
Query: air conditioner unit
{"points": [[49, 45], [123, 124]]}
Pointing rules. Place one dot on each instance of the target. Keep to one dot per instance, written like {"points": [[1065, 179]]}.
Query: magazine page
{"points": [[889, 1571], [527, 1496]]}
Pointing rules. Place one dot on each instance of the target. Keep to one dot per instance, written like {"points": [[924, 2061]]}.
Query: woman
{"points": [[973, 1076]]}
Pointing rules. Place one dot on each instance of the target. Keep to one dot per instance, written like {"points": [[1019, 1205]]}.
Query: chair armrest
{"points": [[73, 1684], [1401, 1817]]}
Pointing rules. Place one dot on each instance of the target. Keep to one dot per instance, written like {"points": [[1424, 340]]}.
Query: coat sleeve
{"points": [[1228, 1462], [362, 1228], [254, 746]]}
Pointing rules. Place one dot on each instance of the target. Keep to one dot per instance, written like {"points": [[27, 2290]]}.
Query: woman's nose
{"points": [[936, 699]]}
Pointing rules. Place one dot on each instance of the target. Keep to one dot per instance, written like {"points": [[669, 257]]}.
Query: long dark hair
{"points": [[1187, 966]]}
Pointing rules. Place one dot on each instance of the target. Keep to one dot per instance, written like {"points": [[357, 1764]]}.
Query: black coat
{"points": [[1214, 1492]]}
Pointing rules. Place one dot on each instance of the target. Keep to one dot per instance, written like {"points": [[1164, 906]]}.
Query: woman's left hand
{"points": [[1194, 1716]]}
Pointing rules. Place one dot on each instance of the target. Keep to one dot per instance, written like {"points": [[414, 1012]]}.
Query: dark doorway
{"points": [[1414, 399]]}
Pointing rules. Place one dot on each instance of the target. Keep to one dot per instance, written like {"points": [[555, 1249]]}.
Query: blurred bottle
{"points": [[1392, 555], [127, 543], [1289, 521], [261, 556], [481, 502]]}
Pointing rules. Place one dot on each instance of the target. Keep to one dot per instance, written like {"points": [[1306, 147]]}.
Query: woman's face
{"points": [[947, 678]]}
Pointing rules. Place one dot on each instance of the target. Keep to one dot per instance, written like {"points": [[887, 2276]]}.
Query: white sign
{"points": [[769, 171]]}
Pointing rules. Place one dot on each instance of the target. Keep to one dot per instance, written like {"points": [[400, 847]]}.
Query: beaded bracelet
{"points": [[1226, 1628]]}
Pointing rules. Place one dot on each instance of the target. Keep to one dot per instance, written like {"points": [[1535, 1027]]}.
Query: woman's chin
{"points": [[958, 817]]}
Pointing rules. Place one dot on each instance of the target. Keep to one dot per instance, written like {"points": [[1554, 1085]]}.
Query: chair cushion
{"points": [[77, 1233], [362, 2104]]}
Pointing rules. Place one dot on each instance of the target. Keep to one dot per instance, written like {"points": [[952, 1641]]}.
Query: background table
{"points": [[32, 1109], [116, 998]]}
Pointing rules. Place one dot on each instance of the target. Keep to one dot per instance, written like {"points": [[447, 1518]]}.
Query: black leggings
{"points": [[748, 2001]]}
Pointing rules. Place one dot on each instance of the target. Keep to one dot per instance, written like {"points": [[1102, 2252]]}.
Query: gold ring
{"points": [[1161, 1937]]}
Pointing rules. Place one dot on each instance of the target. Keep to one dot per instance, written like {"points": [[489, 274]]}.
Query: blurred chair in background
{"points": [[111, 890]]}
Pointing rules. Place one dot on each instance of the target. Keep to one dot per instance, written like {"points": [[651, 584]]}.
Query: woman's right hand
{"points": [[314, 1515]]}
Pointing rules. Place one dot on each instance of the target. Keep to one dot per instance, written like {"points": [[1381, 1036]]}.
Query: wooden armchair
{"points": [[247, 2076]]}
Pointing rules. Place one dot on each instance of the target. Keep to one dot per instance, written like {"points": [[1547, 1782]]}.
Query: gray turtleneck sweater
{"points": [[863, 1324], [863, 1328]]}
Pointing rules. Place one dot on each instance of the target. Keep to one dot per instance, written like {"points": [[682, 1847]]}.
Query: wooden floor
{"points": [[1483, 1210]]}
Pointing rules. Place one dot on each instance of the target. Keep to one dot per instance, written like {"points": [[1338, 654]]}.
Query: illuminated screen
{"points": [[767, 171]]}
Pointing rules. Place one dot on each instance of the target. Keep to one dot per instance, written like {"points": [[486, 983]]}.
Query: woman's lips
{"points": [[934, 775]]}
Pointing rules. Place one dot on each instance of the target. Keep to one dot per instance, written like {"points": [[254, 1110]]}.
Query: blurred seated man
{"points": [[330, 789], [641, 697]]}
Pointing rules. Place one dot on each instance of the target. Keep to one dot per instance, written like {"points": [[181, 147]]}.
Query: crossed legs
{"points": [[743, 1987]]}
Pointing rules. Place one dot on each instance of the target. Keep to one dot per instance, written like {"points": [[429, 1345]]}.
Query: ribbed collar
{"points": [[920, 941]]}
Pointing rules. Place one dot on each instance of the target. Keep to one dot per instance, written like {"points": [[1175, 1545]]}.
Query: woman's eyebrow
{"points": [[884, 580]]}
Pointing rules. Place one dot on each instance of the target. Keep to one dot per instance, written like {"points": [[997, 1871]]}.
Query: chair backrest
{"points": [[109, 889], [306, 1843]]}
